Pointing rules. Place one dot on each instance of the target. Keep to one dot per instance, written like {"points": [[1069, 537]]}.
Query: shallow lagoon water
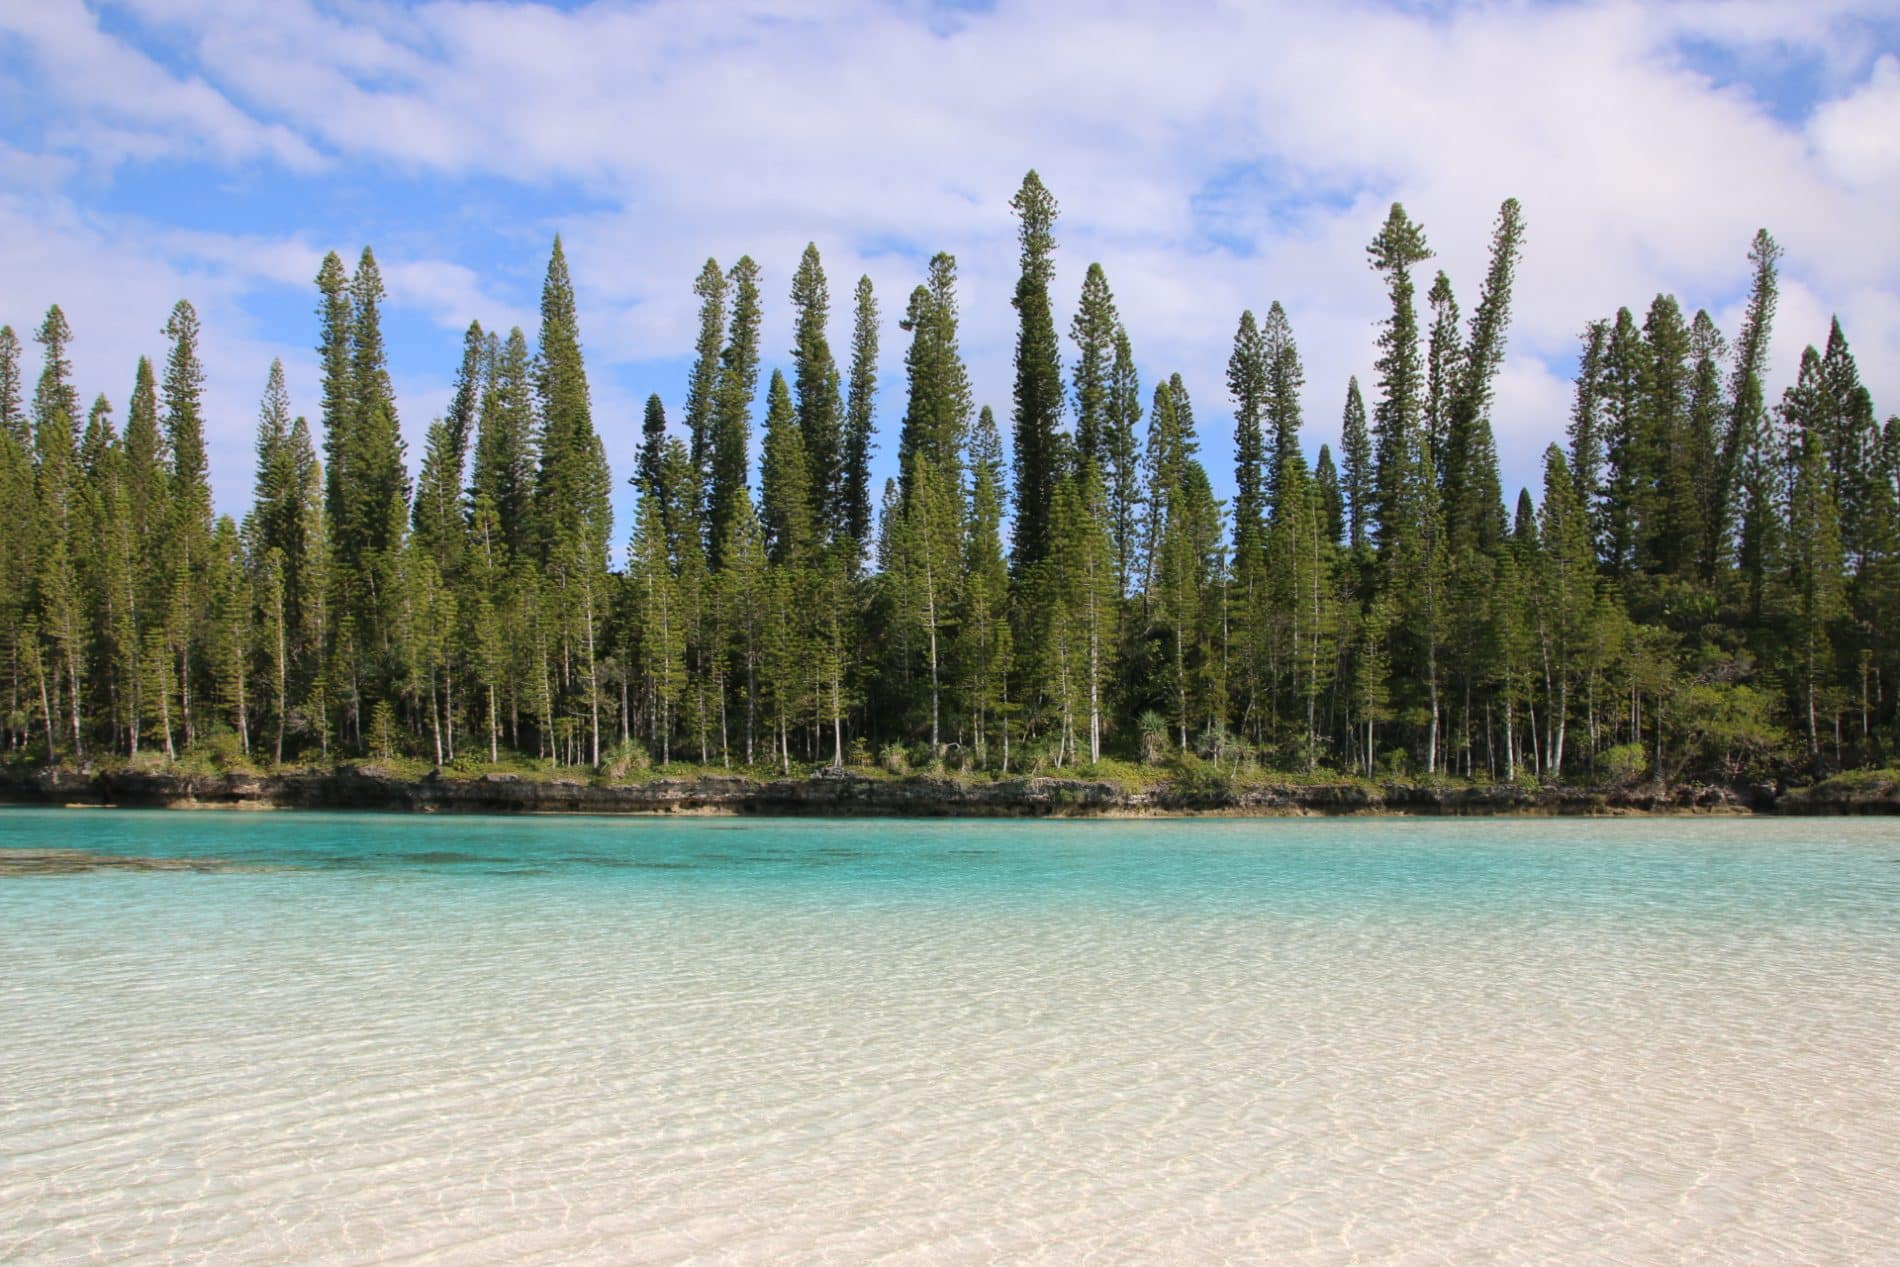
{"points": [[370, 1039]]}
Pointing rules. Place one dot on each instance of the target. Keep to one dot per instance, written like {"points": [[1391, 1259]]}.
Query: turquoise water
{"points": [[357, 1038]]}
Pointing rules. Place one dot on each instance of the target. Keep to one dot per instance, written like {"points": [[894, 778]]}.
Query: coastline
{"points": [[850, 794]]}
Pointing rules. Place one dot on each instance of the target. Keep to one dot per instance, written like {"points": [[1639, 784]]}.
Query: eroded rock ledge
{"points": [[847, 793]]}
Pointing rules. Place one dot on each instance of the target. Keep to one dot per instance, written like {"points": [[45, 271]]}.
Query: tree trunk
{"points": [[1510, 740], [494, 728], [184, 692], [283, 693], [1095, 676], [243, 712], [593, 681], [72, 676], [46, 708], [930, 615]]}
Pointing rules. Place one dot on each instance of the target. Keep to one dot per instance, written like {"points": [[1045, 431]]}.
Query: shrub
{"points": [[1154, 737], [1623, 765], [624, 760], [468, 762], [1038, 757]]}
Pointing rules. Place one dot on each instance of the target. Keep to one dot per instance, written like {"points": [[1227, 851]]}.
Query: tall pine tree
{"points": [[1038, 391]]}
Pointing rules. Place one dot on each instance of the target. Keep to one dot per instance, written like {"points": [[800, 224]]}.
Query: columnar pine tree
{"points": [[502, 483], [228, 628], [1038, 392], [1707, 350], [1563, 589], [438, 522], [572, 511], [1331, 499], [1357, 475], [13, 419], [1183, 560], [1624, 505], [939, 401], [1588, 430], [1474, 501], [1746, 493], [702, 382], [737, 385], [1284, 379], [1668, 532], [368, 526], [1121, 466], [189, 532], [983, 631], [860, 414], [273, 493], [786, 515], [278, 516], [742, 594], [646, 475], [333, 360], [662, 645], [1087, 558], [1093, 330], [1397, 418], [1247, 384], [1302, 549], [1444, 356], [815, 392], [1816, 562], [927, 560], [1850, 438]]}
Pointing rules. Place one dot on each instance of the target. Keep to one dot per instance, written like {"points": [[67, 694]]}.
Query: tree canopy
{"points": [[1701, 586]]}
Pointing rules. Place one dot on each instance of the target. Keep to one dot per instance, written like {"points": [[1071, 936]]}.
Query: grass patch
{"points": [[1884, 780]]}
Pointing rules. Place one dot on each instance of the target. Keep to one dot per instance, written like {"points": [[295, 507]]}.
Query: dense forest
{"points": [[1705, 586]]}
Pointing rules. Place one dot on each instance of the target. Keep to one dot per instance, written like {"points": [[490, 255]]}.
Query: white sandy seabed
{"points": [[436, 1063]]}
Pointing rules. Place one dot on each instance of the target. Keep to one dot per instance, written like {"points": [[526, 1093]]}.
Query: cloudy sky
{"points": [[1213, 157]]}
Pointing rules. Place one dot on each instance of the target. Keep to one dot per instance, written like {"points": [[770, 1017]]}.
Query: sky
{"points": [[1212, 157]]}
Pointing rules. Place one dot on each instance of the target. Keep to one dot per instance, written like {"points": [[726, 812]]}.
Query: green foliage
{"points": [[1728, 730], [1094, 332], [938, 408], [731, 407], [383, 735], [1704, 588], [1623, 765], [819, 408], [1038, 396], [624, 762]]}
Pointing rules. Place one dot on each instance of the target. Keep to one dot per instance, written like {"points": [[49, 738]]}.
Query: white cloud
{"points": [[24, 170], [123, 104], [1858, 136], [450, 293]]}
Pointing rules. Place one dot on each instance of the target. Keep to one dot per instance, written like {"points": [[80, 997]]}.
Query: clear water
{"points": [[449, 1040]]}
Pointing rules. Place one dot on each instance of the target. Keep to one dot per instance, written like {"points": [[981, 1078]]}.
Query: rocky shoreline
{"points": [[832, 793]]}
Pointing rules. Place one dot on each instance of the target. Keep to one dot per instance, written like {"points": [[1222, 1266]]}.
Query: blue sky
{"points": [[1212, 157]]}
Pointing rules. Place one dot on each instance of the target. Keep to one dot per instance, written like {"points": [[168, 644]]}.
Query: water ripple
{"points": [[988, 1044]]}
